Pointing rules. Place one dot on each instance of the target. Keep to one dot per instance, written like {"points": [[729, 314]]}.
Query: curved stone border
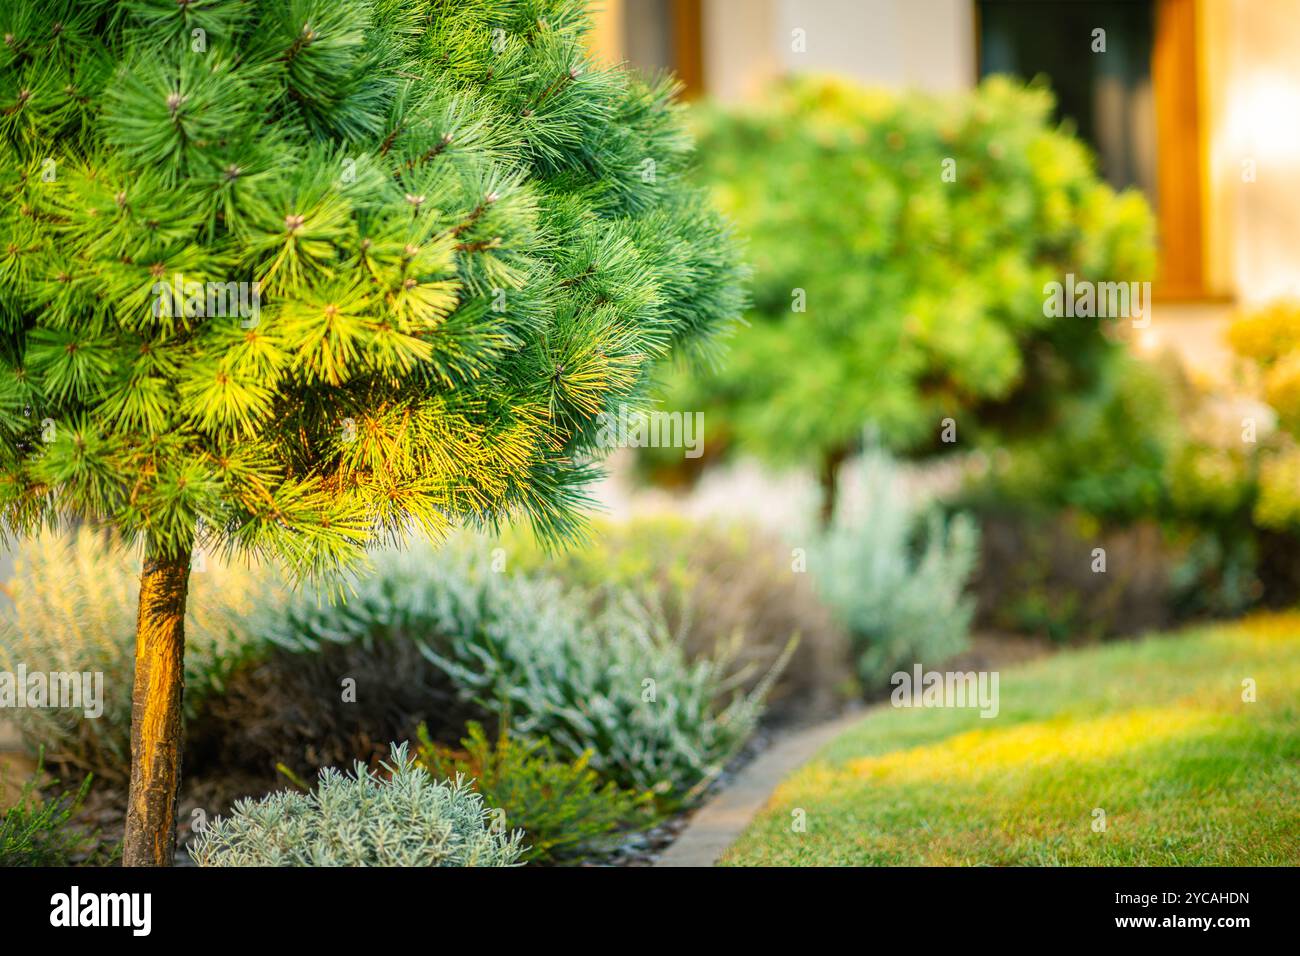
{"points": [[720, 821]]}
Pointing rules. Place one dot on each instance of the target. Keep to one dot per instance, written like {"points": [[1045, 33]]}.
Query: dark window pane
{"points": [[1107, 96]]}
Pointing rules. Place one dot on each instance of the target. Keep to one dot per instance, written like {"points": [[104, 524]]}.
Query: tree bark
{"points": [[157, 729], [829, 478]]}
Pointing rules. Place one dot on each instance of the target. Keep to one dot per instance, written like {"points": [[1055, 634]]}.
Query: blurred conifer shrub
{"points": [[901, 244]]}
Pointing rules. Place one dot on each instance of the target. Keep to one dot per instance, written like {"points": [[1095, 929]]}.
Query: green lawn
{"points": [[1153, 732]]}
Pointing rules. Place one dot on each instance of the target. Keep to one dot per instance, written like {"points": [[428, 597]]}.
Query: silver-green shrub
{"points": [[617, 684], [896, 577], [73, 609], [361, 819]]}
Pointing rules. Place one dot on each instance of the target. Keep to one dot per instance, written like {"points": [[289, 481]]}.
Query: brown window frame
{"points": [[1180, 152]]}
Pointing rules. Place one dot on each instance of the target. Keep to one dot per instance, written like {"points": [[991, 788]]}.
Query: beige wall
{"points": [[1252, 82], [740, 54], [1250, 90], [922, 43], [927, 44]]}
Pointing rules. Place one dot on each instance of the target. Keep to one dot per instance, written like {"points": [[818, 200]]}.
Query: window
{"points": [[1136, 103]]}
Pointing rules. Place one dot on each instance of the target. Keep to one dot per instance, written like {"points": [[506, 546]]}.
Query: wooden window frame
{"points": [[1176, 79]]}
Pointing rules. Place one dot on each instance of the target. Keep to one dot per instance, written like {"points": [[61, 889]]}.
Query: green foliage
{"points": [[615, 683], [74, 598], [361, 819], [467, 241], [563, 808], [1036, 574], [1143, 448], [902, 604], [1278, 507], [1111, 455], [924, 297], [1208, 484], [1037, 609], [1217, 573], [37, 831], [1125, 452]]}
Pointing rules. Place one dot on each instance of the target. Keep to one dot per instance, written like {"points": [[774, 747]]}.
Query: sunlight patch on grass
{"points": [[1154, 733], [980, 752]]}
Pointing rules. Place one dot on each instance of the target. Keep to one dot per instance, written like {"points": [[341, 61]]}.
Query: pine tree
{"points": [[288, 278], [913, 296]]}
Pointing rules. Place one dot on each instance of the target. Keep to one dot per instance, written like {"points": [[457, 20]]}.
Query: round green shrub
{"points": [[901, 245]]}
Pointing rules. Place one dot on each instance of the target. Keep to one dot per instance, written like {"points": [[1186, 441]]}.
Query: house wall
{"points": [[1248, 59], [929, 44], [1251, 60], [740, 48]]}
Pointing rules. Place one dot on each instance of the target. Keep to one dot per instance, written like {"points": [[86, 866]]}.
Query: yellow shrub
{"points": [[1282, 390], [1278, 505], [1268, 334]]}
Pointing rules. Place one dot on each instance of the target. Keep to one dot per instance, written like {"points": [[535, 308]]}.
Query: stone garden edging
{"points": [[720, 821]]}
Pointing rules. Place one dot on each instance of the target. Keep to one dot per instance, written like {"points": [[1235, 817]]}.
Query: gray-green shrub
{"points": [[896, 577], [713, 579], [492, 640], [361, 819], [616, 683]]}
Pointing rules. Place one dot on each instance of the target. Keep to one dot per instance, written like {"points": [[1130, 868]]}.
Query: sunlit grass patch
{"points": [[1151, 738]]}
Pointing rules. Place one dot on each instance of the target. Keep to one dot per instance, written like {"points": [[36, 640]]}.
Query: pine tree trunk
{"points": [[829, 478], [157, 731]]}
